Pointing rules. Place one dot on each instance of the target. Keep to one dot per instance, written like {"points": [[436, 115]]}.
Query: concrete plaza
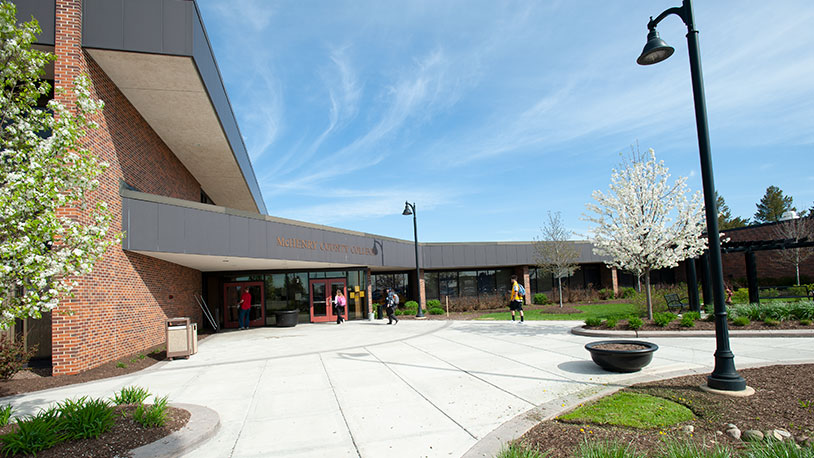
{"points": [[417, 389]]}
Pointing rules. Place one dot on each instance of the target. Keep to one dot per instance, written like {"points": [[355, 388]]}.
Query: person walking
{"points": [[339, 303], [516, 299], [245, 305], [390, 307]]}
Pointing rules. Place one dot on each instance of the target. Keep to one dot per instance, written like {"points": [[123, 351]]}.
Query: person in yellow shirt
{"points": [[516, 299]]}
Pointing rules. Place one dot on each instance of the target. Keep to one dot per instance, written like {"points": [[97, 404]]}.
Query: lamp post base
{"points": [[732, 382]]}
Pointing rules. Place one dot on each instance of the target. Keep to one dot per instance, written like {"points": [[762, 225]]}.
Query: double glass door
{"points": [[232, 293], [322, 294]]}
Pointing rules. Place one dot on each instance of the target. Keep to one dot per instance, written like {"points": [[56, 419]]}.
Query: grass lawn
{"points": [[601, 311]]}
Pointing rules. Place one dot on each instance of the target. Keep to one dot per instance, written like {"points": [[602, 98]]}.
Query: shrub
{"points": [[436, 311], [5, 414], [540, 299], [611, 322], [635, 323], [694, 315], [687, 321], [593, 322], [433, 303], [606, 293], [470, 303], [627, 293], [741, 321], [803, 310], [411, 305], [85, 418], [740, 296], [152, 416], [398, 312], [664, 318], [33, 435], [13, 357], [805, 322], [130, 395], [771, 322]]}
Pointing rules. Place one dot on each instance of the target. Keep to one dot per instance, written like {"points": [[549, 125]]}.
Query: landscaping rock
{"points": [[688, 429], [773, 434], [730, 426], [752, 435], [734, 433], [784, 433]]}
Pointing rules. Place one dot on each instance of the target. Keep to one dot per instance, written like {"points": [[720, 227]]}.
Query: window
{"points": [[448, 284]]}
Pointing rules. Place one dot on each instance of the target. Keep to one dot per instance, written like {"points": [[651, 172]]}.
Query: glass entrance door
{"points": [[231, 300], [322, 294]]}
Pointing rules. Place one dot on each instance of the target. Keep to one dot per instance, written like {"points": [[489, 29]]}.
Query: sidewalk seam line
{"points": [[339, 404]]}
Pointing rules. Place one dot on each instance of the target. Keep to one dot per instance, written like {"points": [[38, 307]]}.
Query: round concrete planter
{"points": [[287, 318], [622, 360]]}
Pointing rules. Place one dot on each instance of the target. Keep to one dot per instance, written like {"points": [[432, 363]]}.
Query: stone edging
{"points": [[203, 424], [580, 331]]}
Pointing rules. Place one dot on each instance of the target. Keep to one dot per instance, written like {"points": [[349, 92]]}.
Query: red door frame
{"points": [[328, 282], [252, 323]]}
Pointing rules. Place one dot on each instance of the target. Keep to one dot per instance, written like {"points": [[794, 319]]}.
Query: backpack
{"points": [[520, 290], [395, 299]]}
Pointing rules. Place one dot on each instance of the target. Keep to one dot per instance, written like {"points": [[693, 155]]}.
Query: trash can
{"points": [[379, 311], [287, 318], [179, 338]]}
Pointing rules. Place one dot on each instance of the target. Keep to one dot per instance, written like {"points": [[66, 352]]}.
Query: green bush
{"points": [[687, 321], [741, 321], [153, 415], [516, 450], [437, 311], [540, 299], [606, 293], [411, 305], [85, 418], [398, 312], [664, 318], [13, 357], [33, 435], [635, 323], [593, 322], [130, 395], [5, 414], [740, 296], [627, 293], [694, 315], [803, 310], [611, 322]]}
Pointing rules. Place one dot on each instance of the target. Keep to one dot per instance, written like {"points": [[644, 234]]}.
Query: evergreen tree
{"points": [[772, 206], [725, 219]]}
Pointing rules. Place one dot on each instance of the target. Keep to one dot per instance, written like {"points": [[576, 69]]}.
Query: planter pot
{"points": [[621, 359], [287, 318]]}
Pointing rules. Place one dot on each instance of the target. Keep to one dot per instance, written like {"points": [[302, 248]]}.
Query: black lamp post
{"points": [[724, 376], [409, 209]]}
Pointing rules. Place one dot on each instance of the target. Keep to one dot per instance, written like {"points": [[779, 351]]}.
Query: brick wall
{"points": [[769, 264], [120, 308]]}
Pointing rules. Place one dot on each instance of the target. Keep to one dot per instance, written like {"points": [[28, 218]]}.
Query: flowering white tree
{"points": [[644, 223], [555, 254], [48, 235]]}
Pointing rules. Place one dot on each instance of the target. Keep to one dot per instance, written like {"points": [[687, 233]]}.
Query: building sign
{"points": [[322, 246]]}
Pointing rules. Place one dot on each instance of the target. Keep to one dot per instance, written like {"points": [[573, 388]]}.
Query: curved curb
{"points": [[580, 331], [203, 424]]}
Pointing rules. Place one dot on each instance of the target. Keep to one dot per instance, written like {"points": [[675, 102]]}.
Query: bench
{"points": [[785, 292], [675, 303]]}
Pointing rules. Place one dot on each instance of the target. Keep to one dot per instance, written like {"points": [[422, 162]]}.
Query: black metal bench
{"points": [[674, 302], [786, 292]]}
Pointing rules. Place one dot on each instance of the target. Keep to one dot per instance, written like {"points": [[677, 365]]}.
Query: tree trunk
{"points": [[559, 280], [797, 264], [649, 299]]}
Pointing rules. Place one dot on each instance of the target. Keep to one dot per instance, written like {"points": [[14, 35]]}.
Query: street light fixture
{"points": [[724, 377], [409, 209]]}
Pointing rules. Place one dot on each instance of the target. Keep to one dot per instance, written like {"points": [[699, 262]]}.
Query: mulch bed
{"points": [[783, 399], [124, 436], [702, 325]]}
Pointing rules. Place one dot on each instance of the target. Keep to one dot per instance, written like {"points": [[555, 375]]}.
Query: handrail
{"points": [[202, 303]]}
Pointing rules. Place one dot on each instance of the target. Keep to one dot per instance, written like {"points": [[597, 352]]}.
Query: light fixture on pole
{"points": [[724, 377], [409, 209]]}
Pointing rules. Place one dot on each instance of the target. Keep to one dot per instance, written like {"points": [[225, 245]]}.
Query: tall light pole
{"points": [[409, 209], [724, 377]]}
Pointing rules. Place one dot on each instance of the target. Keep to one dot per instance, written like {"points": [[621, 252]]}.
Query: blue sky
{"points": [[489, 114]]}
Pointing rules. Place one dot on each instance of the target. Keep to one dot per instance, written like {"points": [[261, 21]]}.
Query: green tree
{"points": [[772, 206], [44, 168], [725, 219]]}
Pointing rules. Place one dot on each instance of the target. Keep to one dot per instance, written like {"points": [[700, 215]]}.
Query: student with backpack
{"points": [[516, 298], [390, 306]]}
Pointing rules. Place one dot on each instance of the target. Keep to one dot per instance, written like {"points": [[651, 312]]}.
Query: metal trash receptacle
{"points": [[179, 338]]}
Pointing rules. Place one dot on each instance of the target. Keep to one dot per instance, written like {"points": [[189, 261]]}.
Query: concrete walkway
{"points": [[421, 388]]}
